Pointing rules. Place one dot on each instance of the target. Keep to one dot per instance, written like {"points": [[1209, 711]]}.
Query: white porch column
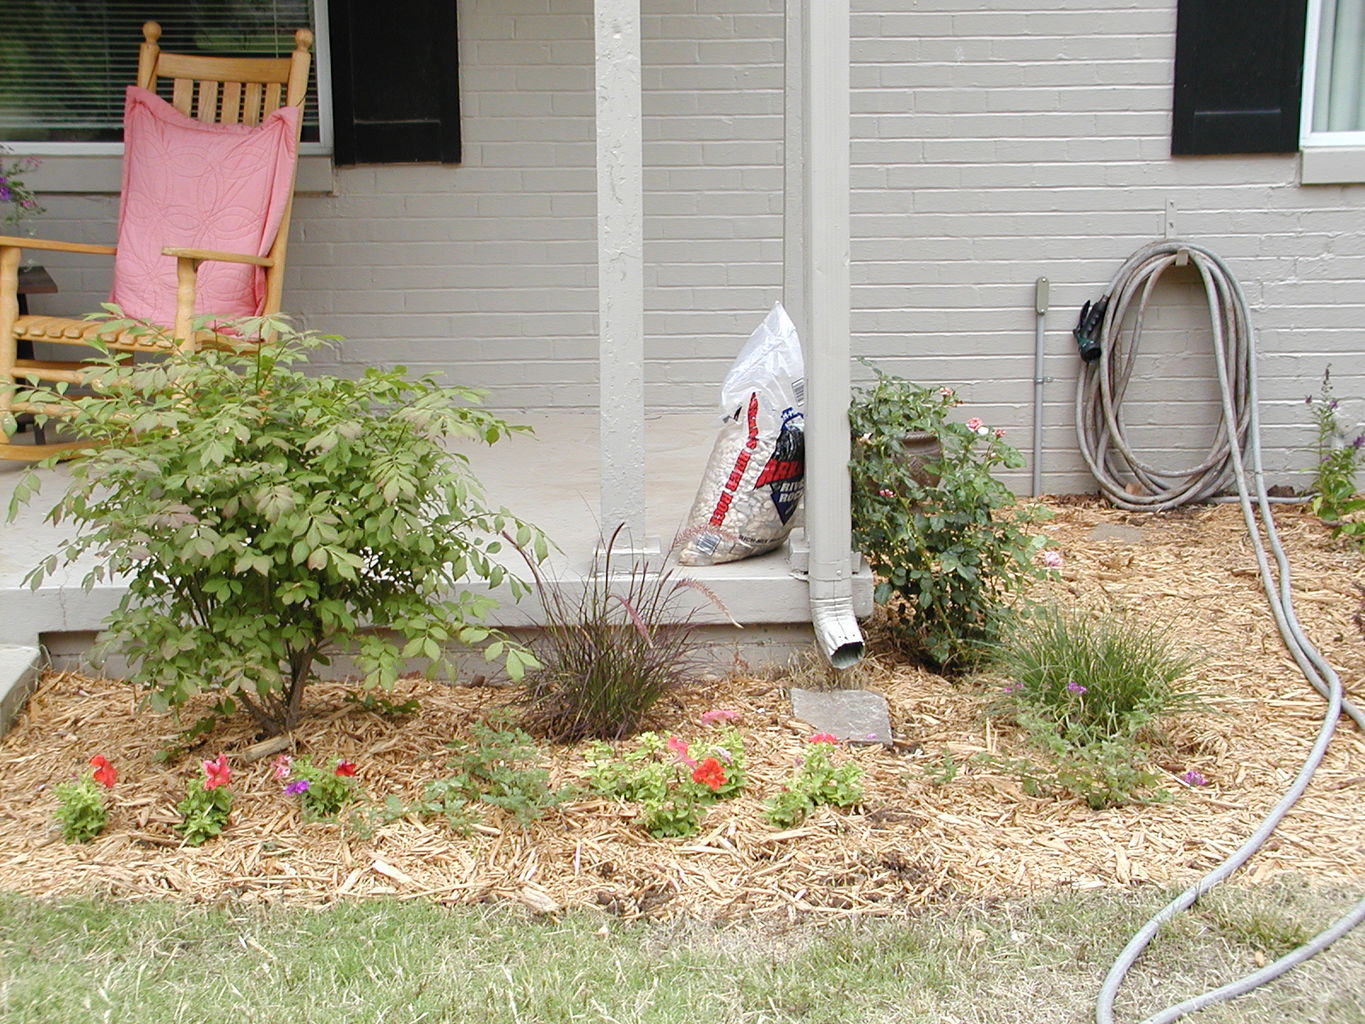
{"points": [[620, 272], [823, 272]]}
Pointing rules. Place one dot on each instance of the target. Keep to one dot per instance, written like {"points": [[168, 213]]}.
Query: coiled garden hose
{"points": [[1099, 428]]}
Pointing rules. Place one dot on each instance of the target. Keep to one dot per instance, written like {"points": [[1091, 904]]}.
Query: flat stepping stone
{"points": [[857, 716], [1118, 532]]}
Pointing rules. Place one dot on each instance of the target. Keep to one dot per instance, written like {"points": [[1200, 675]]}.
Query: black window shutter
{"points": [[1238, 73], [395, 81]]}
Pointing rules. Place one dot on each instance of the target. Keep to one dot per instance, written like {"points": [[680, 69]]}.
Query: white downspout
{"points": [[823, 311]]}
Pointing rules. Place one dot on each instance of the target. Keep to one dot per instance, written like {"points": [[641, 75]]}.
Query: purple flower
{"points": [[1333, 405], [4, 193], [1360, 440], [1074, 687], [1307, 399], [1052, 559], [1011, 687], [1194, 778], [296, 787]]}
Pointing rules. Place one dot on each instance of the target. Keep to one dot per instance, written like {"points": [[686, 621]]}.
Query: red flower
{"points": [[822, 737], [346, 768], [104, 771], [710, 774], [216, 772]]}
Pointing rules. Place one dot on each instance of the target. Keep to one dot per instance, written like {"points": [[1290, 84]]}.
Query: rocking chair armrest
{"points": [[14, 242], [220, 257]]}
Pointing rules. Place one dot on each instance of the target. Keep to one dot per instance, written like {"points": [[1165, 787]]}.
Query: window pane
{"points": [[1339, 85], [64, 64]]}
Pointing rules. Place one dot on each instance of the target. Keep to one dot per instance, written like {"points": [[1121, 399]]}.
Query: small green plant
{"points": [[944, 770], [323, 792], [817, 781], [609, 654], [674, 782], [946, 539], [82, 811], [502, 767], [267, 518], [1335, 500], [496, 767], [208, 801]]}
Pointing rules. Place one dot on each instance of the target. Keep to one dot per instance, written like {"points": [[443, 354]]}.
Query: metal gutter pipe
{"points": [[1040, 289], [825, 183]]}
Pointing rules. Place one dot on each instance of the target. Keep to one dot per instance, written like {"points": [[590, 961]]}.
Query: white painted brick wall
{"points": [[995, 141]]}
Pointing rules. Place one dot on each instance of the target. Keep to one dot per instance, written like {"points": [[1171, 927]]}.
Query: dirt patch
{"points": [[911, 842]]}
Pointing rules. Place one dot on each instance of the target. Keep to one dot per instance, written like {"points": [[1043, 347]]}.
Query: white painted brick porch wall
{"points": [[995, 141]]}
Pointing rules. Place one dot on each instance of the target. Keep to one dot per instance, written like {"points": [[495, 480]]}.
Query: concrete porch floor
{"points": [[549, 479]]}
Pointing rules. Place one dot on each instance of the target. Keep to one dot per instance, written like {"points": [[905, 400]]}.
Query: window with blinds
{"points": [[1334, 73], [64, 65]]}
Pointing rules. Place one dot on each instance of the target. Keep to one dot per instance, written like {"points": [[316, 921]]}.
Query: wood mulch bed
{"points": [[911, 842]]}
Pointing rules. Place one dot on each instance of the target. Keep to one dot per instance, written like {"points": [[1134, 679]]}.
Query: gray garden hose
{"points": [[1100, 432]]}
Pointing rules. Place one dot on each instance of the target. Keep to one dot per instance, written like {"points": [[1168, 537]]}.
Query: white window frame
{"points": [[1326, 157], [322, 148]]}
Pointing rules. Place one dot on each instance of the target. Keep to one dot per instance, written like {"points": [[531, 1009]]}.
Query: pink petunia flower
{"points": [[679, 748], [1052, 559], [822, 737], [216, 772], [718, 715], [283, 766]]}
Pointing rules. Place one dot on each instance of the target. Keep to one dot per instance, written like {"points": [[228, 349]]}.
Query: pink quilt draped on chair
{"points": [[196, 185]]}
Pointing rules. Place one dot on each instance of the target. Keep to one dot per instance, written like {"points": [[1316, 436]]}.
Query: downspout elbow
{"points": [[836, 627]]}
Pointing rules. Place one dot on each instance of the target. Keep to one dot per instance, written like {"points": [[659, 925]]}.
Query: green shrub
{"points": [[608, 654], [948, 542], [266, 518]]}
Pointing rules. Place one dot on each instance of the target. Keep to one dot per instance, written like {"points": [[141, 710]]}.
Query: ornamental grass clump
{"points": [[267, 519], [610, 651], [948, 543], [1091, 692]]}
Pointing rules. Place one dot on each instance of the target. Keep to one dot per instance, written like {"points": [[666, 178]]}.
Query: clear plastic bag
{"points": [[756, 473]]}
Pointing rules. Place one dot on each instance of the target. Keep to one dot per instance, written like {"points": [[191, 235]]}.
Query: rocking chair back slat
{"points": [[206, 106]]}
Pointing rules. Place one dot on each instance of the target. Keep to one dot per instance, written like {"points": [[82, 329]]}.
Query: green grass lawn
{"points": [[1040, 962]]}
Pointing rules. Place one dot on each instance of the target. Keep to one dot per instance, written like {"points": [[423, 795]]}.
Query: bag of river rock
{"points": [[757, 468]]}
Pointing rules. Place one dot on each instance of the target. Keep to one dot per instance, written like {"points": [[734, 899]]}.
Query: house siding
{"points": [[994, 142]]}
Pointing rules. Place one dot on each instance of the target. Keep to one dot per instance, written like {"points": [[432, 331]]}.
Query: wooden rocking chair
{"points": [[208, 180]]}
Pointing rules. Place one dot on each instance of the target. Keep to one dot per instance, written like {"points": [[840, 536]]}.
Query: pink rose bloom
{"points": [[974, 423], [999, 431]]}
